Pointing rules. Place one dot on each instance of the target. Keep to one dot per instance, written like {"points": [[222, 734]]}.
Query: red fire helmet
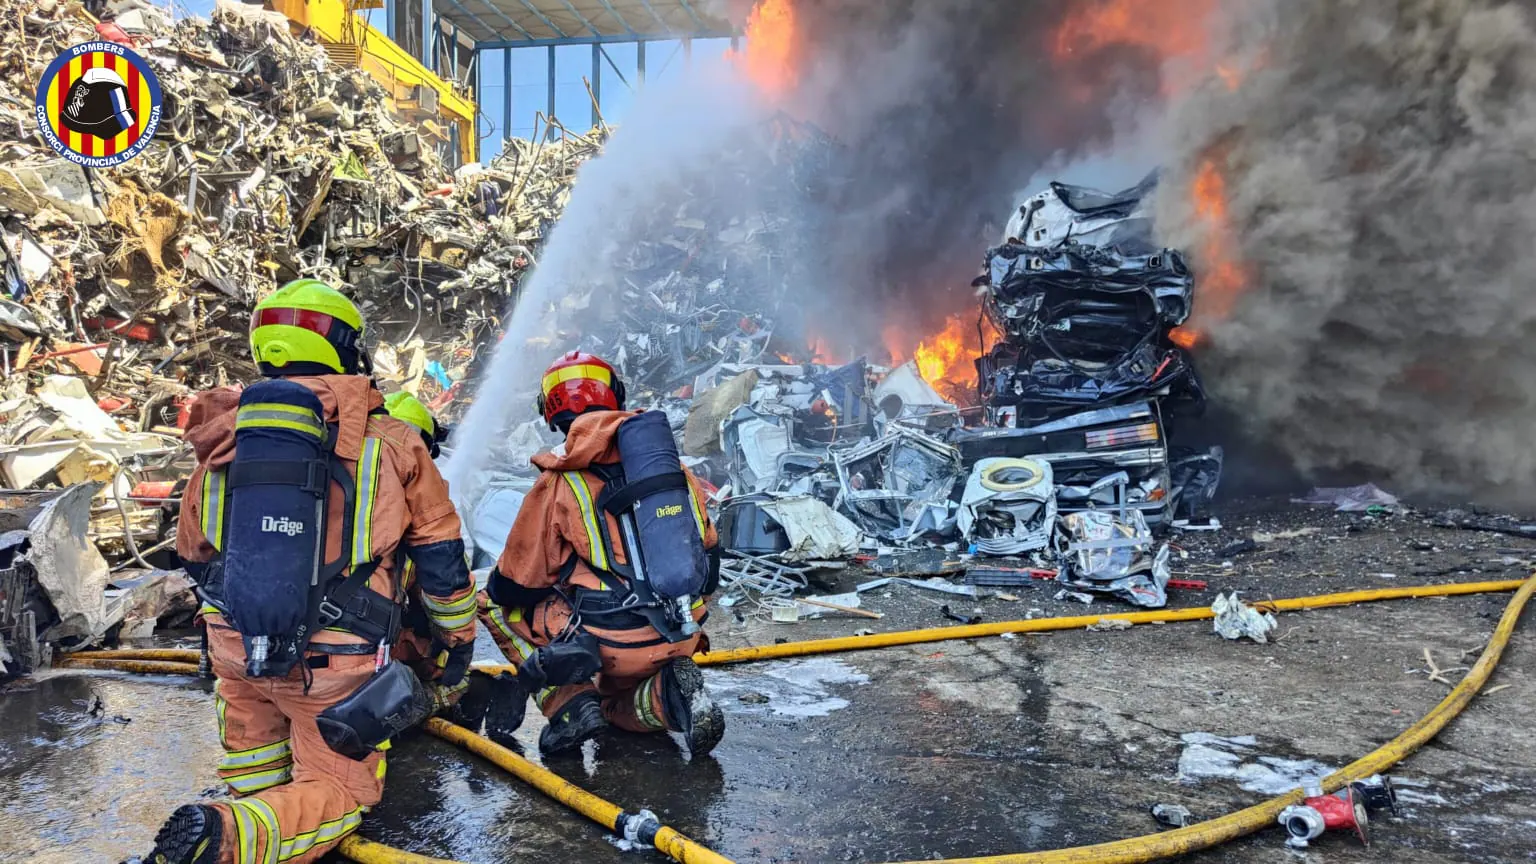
{"points": [[579, 382]]}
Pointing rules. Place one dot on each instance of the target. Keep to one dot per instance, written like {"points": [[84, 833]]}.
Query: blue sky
{"points": [[663, 61]]}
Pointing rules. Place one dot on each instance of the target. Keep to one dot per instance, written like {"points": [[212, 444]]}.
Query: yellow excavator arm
{"points": [[417, 93]]}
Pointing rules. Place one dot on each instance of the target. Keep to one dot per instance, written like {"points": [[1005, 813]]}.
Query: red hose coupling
{"points": [[1317, 813]]}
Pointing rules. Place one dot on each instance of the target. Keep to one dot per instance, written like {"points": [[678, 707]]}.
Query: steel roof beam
{"points": [[545, 18], [615, 39], [619, 18], [583, 19]]}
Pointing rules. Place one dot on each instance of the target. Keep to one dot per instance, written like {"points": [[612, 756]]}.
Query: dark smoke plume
{"points": [[945, 107], [1379, 159]]}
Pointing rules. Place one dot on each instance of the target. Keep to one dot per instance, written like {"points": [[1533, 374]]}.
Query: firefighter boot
{"points": [[576, 721], [191, 836], [689, 708]]}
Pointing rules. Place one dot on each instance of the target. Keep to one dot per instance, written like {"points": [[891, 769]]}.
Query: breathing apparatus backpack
{"points": [[270, 577], [661, 526]]}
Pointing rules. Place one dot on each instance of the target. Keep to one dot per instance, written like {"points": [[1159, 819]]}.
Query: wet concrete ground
{"points": [[945, 749]]}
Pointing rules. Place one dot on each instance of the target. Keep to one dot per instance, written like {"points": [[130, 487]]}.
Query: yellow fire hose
{"points": [[1133, 850], [942, 634], [369, 852], [671, 843], [1182, 841], [128, 664], [1071, 622]]}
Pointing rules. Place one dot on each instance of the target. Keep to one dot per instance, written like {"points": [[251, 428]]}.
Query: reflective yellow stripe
{"points": [[523, 649], [219, 705], [697, 603], [211, 518], [256, 756], [297, 412], [453, 614], [698, 511], [644, 707], [452, 622], [501, 624], [452, 607], [256, 781], [328, 832], [574, 373], [208, 609], [543, 696], [595, 554], [245, 833], [362, 515], [290, 425], [264, 814], [275, 415]]}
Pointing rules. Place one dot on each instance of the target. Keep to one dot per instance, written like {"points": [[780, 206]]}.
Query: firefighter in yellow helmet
{"points": [[404, 406], [305, 492], [414, 647]]}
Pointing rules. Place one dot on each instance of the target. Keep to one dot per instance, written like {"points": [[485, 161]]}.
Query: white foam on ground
{"points": [[795, 688], [1212, 757]]}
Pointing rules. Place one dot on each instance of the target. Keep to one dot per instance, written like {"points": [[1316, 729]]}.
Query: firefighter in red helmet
{"points": [[598, 640]]}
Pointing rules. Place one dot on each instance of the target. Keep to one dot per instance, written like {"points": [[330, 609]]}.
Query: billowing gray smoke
{"points": [[1379, 164], [945, 107]]}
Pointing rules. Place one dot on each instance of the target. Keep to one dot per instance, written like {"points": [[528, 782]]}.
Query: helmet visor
{"points": [[335, 330]]}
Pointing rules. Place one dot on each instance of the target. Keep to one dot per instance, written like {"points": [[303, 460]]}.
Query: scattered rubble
{"points": [[1236, 619], [1071, 468]]}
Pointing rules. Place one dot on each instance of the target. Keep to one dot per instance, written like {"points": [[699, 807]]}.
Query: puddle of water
{"points": [[1212, 757], [78, 784], [793, 688]]}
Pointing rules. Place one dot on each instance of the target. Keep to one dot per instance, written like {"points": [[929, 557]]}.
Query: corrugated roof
{"points": [[553, 22]]}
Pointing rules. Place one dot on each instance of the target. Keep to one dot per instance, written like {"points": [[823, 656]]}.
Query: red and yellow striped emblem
{"points": [[136, 101]]}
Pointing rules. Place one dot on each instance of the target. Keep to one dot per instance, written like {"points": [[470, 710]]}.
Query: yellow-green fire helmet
{"points": [[306, 328]]}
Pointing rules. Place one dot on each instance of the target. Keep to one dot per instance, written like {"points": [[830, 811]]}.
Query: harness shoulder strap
{"points": [[357, 521]]}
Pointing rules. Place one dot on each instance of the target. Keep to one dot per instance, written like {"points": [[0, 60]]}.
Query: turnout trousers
{"points": [[629, 684], [295, 798]]}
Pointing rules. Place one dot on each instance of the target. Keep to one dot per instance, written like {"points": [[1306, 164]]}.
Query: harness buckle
{"points": [[318, 477], [330, 613]]}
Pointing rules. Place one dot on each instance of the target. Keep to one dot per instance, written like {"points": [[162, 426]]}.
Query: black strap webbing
{"points": [[624, 497], [307, 474]]}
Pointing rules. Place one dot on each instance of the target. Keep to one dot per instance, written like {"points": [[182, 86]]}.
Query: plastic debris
{"points": [[1348, 499], [1104, 553], [1236, 619]]}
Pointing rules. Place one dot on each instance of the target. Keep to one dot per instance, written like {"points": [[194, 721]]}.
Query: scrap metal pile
{"points": [[128, 289], [272, 162], [1073, 468]]}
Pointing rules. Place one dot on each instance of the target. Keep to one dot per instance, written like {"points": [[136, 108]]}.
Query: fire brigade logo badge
{"points": [[98, 105]]}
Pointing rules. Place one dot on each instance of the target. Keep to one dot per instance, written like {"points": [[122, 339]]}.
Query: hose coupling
{"points": [[639, 828]]}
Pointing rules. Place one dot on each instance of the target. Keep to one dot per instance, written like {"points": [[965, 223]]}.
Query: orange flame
{"points": [[946, 359], [1171, 28], [770, 57], [1222, 276]]}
